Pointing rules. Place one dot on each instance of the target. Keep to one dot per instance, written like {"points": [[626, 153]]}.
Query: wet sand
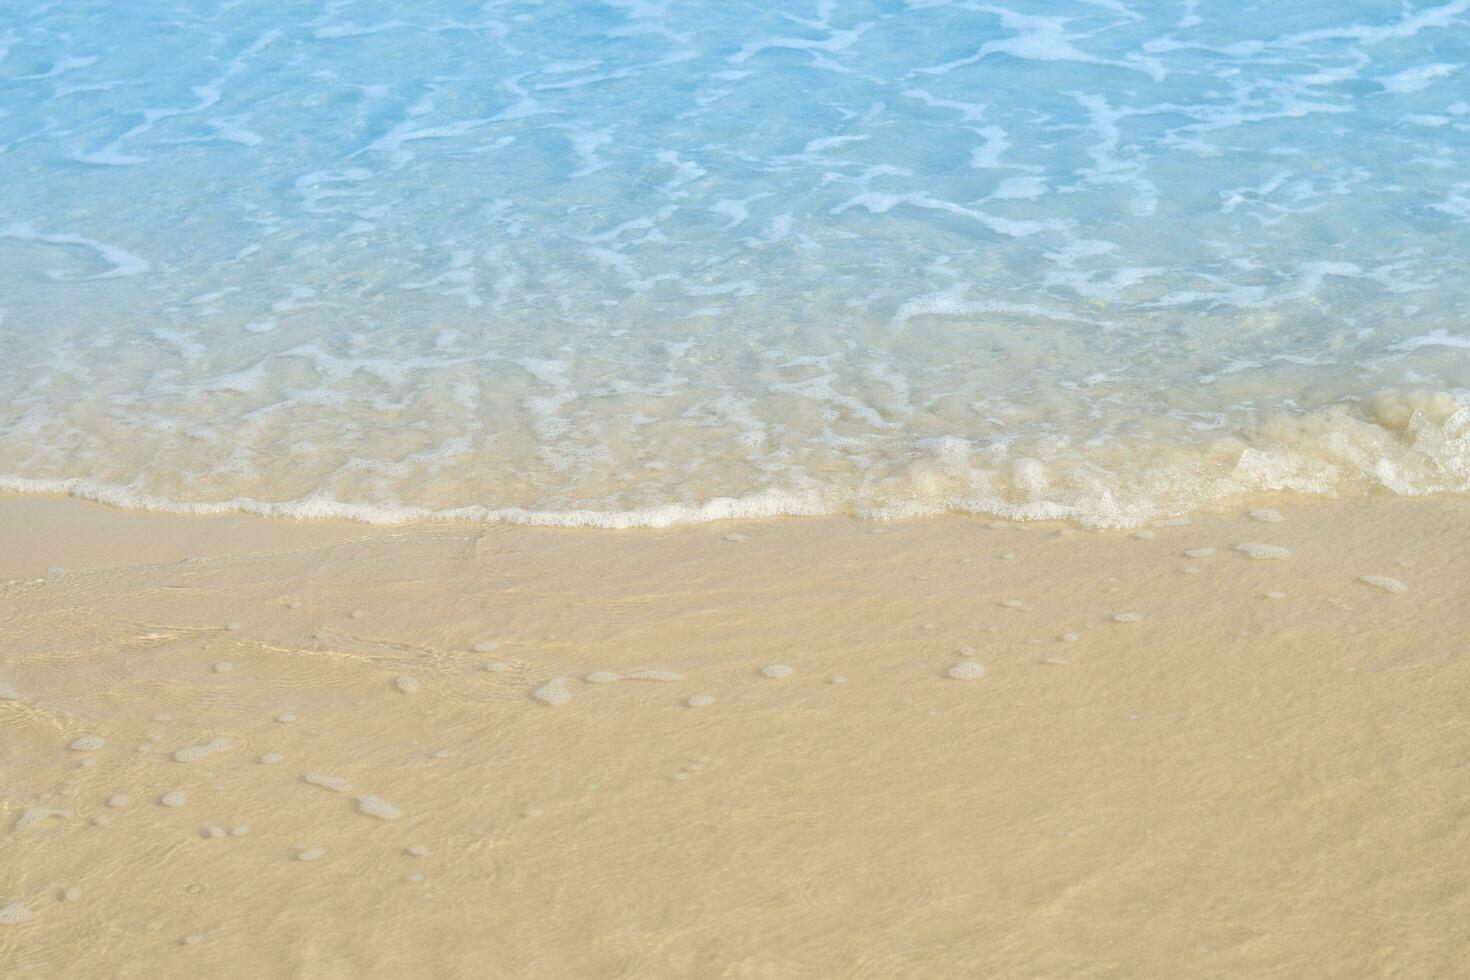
{"points": [[806, 748]]}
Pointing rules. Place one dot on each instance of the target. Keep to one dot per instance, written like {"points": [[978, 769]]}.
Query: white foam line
{"points": [[321, 507], [1411, 22], [1435, 338], [123, 263], [772, 504]]}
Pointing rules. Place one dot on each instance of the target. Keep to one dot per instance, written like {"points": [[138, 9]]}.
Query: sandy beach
{"points": [[810, 748], [591, 489]]}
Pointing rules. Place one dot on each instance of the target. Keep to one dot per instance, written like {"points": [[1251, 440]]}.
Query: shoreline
{"points": [[1409, 443], [1214, 764]]}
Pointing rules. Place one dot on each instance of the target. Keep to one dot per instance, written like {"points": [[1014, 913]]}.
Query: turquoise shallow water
{"points": [[638, 262]]}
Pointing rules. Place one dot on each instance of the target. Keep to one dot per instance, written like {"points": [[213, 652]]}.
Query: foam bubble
{"points": [[119, 800], [406, 684], [376, 806], [497, 667], [1199, 552], [1385, 583], [1127, 617], [33, 815], [173, 798], [1145, 535], [1071, 637], [1261, 552], [214, 832], [193, 753], [419, 850], [778, 670], [700, 701], [967, 670], [193, 939], [15, 913], [554, 692], [334, 783], [72, 894], [837, 679], [286, 718], [310, 853], [87, 743], [271, 758], [1268, 516], [602, 677], [486, 646], [240, 830], [223, 667]]}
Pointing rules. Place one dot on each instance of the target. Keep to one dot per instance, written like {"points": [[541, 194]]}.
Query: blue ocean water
{"points": [[637, 262]]}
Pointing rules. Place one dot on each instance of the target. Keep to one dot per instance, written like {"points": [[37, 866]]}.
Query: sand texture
{"points": [[1235, 747]]}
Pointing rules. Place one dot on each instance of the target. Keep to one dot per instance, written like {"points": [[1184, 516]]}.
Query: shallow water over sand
{"points": [[777, 750], [636, 263]]}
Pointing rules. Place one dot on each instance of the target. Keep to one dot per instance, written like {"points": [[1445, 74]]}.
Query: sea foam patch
{"points": [[555, 692], [193, 753], [1385, 583], [336, 784], [664, 676], [376, 806], [1262, 552], [15, 913]]}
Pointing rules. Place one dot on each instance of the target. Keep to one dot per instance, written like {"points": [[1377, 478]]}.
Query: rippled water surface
{"points": [[637, 262]]}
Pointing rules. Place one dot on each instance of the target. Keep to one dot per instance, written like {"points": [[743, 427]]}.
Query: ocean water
{"points": [[638, 262]]}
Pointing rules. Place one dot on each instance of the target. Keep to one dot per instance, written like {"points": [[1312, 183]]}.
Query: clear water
{"points": [[639, 262]]}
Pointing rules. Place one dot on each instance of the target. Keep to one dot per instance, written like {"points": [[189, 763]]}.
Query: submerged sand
{"points": [[236, 747]]}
